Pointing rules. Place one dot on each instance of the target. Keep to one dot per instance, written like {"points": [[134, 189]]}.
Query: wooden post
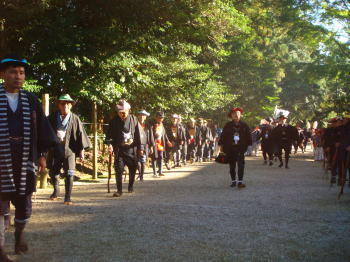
{"points": [[45, 105], [95, 144]]}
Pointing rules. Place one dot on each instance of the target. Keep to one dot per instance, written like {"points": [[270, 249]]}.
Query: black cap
{"points": [[13, 60]]}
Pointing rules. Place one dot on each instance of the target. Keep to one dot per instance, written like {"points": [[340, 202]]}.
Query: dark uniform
{"points": [[25, 135], [235, 139], [177, 137], [160, 142], [284, 136], [266, 142], [124, 136], [204, 138], [193, 140], [74, 142], [344, 155], [147, 141]]}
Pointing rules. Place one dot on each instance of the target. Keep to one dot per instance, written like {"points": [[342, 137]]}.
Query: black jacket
{"points": [[76, 137], [226, 138], [115, 135], [286, 134]]}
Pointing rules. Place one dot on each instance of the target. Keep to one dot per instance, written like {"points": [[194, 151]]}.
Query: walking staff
{"points": [[234, 141], [25, 138], [74, 141]]}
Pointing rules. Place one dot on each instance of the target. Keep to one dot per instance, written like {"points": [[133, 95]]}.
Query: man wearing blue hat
{"points": [[74, 140], [25, 138], [147, 142]]}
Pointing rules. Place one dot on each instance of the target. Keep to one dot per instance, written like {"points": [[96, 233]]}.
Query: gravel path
{"points": [[193, 215]]}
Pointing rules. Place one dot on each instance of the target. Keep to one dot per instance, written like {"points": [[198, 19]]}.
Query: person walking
{"points": [[266, 141], [123, 139], [160, 142], [234, 141], [147, 142], [284, 135], [26, 136], [73, 142]]}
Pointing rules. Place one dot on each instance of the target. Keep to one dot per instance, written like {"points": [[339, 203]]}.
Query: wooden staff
{"points": [[110, 160]]}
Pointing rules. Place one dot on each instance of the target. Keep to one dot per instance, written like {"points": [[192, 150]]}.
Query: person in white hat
{"points": [[123, 139]]}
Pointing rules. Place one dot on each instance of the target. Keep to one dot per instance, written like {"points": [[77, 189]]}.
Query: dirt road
{"points": [[193, 215]]}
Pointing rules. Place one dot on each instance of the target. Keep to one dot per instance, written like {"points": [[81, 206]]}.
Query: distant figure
{"points": [[147, 142], [317, 145], [267, 146], [284, 135]]}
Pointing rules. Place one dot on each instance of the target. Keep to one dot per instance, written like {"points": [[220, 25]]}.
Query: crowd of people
{"points": [[30, 142], [132, 140]]}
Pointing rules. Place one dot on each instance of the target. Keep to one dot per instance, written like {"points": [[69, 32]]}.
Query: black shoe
{"points": [[117, 194], [280, 165], [130, 189], [271, 163], [167, 166], [265, 162], [233, 184], [287, 167]]}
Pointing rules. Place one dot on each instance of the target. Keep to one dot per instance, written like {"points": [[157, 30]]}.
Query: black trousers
{"points": [[23, 206], [120, 162], [192, 150], [267, 150], [67, 163], [287, 147], [236, 158]]}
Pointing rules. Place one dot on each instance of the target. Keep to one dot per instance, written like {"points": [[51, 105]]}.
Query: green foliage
{"points": [[193, 57]]}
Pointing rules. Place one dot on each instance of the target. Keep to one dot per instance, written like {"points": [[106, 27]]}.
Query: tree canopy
{"points": [[193, 57]]}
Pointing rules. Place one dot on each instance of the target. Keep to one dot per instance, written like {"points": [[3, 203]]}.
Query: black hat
{"points": [[160, 114], [268, 119], [13, 60]]}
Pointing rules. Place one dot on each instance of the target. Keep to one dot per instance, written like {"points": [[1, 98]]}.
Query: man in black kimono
{"points": [[234, 141], [266, 141], [283, 136], [25, 137], [185, 145], [74, 140], [123, 139], [147, 142], [204, 138], [177, 138], [192, 139]]}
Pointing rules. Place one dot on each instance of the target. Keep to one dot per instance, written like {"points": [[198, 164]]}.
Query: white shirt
{"points": [[13, 100]]}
